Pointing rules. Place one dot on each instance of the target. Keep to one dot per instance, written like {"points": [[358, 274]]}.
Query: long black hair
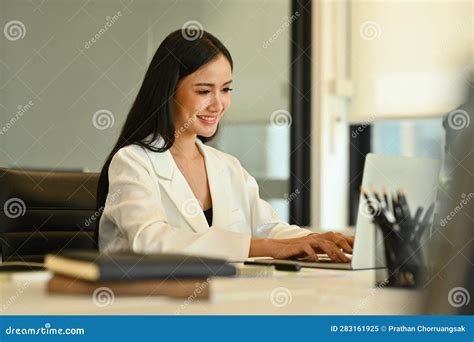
{"points": [[180, 54]]}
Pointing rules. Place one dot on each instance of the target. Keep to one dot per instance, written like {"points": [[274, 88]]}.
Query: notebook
{"points": [[184, 288], [94, 266]]}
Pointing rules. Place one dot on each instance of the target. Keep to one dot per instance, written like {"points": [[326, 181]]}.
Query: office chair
{"points": [[45, 212]]}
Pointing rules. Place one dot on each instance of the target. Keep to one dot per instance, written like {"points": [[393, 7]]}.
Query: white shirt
{"points": [[150, 207]]}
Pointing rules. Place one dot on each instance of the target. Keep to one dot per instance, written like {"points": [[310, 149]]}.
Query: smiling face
{"points": [[202, 98]]}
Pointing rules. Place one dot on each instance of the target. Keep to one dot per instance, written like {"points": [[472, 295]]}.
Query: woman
{"points": [[163, 190]]}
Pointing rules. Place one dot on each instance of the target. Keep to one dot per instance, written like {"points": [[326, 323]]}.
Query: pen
{"points": [[417, 224], [279, 266], [425, 222], [388, 217], [385, 198], [379, 218], [396, 208], [288, 267], [404, 205], [376, 195]]}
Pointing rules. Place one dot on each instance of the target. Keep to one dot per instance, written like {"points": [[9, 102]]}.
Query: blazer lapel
{"points": [[219, 186], [178, 190]]}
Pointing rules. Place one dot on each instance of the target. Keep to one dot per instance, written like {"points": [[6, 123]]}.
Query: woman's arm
{"points": [[265, 221], [266, 224]]}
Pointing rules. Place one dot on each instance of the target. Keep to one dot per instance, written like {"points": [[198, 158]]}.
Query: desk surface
{"points": [[308, 292]]}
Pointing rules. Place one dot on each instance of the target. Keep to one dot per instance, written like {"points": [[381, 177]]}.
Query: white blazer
{"points": [[150, 207]]}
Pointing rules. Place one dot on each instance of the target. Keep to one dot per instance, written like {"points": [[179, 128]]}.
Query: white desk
{"points": [[312, 292]]}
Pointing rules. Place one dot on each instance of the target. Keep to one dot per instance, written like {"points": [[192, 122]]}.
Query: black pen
{"points": [[425, 222], [288, 267], [383, 211], [376, 195], [404, 205], [396, 208], [417, 223], [384, 208], [385, 198], [279, 266], [373, 210], [378, 218]]}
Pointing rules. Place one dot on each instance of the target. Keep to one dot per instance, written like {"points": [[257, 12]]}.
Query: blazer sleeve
{"points": [[264, 219], [135, 209]]}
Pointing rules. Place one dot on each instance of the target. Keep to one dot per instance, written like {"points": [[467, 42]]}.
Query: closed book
{"points": [[107, 290], [95, 266]]}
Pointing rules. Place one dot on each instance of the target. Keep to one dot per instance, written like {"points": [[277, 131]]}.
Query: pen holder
{"points": [[402, 234], [405, 264]]}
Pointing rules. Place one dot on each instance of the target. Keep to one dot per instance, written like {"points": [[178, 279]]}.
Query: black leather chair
{"points": [[45, 212]]}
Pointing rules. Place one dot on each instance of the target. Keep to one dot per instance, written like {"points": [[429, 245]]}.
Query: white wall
{"points": [[409, 58]]}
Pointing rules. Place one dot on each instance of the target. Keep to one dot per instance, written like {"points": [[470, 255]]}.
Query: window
{"points": [[422, 138]]}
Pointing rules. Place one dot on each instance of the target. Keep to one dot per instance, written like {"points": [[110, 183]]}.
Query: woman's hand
{"points": [[307, 246], [342, 241], [345, 242]]}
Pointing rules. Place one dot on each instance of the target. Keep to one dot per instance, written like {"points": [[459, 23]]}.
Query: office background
{"points": [[69, 72]]}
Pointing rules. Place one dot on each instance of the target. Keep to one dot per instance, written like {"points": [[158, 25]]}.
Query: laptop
{"points": [[418, 177]]}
